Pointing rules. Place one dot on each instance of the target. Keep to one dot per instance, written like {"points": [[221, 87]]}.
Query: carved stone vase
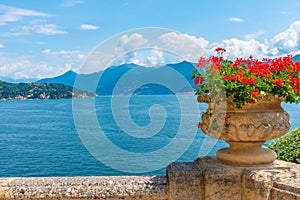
{"points": [[245, 129]]}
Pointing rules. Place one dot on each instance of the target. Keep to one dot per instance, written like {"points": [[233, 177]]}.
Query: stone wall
{"points": [[204, 179], [110, 187], [208, 179]]}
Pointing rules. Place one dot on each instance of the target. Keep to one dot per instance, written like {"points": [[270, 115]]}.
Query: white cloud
{"points": [[235, 19], [288, 41], [241, 48], [134, 41], [97, 61], [156, 57], [13, 14], [71, 59], [66, 54], [144, 57], [184, 45], [146, 50], [168, 47], [131, 49], [254, 35], [88, 27], [36, 27], [2, 45], [71, 3], [46, 51], [135, 47], [24, 69], [49, 29]]}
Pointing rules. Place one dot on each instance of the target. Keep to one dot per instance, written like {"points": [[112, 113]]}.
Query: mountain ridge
{"points": [[103, 82]]}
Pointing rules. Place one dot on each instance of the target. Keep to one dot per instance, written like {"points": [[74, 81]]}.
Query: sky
{"points": [[46, 38]]}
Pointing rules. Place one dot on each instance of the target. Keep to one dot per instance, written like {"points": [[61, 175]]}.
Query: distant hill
{"points": [[296, 58], [111, 76], [66, 79], [39, 91]]}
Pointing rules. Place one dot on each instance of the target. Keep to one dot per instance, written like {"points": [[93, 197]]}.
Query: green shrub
{"points": [[288, 147]]}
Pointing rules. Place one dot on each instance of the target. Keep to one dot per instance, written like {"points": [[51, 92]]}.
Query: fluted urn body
{"points": [[245, 129]]}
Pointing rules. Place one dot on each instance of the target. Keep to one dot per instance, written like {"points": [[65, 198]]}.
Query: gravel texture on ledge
{"points": [[90, 187]]}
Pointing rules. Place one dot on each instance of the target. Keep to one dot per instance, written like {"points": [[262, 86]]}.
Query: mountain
{"points": [[140, 80], [296, 58], [39, 91], [66, 79], [185, 68], [112, 75]]}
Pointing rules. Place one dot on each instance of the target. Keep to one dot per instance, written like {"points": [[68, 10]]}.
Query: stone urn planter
{"points": [[245, 129]]}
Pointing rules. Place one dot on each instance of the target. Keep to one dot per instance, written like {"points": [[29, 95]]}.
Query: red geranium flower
{"points": [[198, 80], [254, 93], [219, 49], [202, 62], [278, 82], [199, 124], [227, 117]]}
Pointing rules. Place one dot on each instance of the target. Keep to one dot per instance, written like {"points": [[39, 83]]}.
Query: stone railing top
{"points": [[112, 187], [204, 179], [209, 179]]}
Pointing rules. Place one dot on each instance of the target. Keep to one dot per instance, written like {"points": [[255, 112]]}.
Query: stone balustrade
{"points": [[102, 187], [204, 179]]}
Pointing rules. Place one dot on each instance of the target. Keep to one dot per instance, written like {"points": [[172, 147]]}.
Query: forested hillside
{"points": [[39, 91]]}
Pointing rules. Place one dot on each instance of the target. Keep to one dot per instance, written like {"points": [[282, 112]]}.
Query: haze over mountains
{"points": [[21, 80], [132, 79]]}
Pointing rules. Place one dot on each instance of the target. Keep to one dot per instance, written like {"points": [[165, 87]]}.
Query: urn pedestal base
{"points": [[245, 154]]}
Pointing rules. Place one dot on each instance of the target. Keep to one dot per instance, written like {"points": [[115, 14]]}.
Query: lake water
{"points": [[43, 138]]}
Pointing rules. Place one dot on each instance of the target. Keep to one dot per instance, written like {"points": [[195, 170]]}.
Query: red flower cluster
{"points": [[239, 76], [248, 79], [254, 93], [278, 64], [296, 67], [199, 124], [202, 62], [227, 117], [219, 49], [215, 64], [278, 81], [296, 84], [261, 69], [199, 80]]}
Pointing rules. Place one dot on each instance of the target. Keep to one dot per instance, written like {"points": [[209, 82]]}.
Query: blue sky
{"points": [[46, 38]]}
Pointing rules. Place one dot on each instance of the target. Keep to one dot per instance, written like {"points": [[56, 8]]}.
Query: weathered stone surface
{"points": [[272, 182], [114, 187], [205, 179], [216, 180], [184, 181], [286, 190], [220, 181]]}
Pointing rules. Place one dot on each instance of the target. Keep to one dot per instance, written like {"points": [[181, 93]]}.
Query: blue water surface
{"points": [[39, 137]]}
